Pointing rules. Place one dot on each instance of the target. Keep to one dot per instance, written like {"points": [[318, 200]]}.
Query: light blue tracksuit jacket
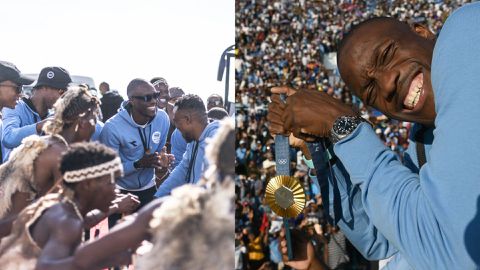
{"points": [[179, 175]]}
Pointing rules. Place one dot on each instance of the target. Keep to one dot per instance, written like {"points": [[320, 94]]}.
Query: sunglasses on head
{"points": [[147, 98]]}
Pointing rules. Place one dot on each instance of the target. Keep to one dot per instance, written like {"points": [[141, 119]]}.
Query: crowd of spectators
{"points": [[285, 42]]}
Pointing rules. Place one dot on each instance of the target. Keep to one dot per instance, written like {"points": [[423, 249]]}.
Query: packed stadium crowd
{"points": [[285, 43], [75, 165]]}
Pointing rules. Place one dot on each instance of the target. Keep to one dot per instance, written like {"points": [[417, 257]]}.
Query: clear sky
{"points": [[119, 40]]}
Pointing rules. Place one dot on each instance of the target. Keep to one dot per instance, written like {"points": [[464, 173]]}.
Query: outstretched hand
{"points": [[126, 203]]}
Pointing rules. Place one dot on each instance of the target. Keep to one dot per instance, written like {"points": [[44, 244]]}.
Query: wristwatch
{"points": [[343, 126]]}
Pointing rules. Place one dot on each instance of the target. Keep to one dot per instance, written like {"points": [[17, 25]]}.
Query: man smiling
{"points": [[424, 214], [138, 133], [394, 77], [11, 81], [161, 86], [30, 114]]}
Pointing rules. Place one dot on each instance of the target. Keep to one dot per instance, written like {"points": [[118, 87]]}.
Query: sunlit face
{"points": [[387, 65], [89, 120], [9, 94], [144, 100], [103, 88], [164, 96]]}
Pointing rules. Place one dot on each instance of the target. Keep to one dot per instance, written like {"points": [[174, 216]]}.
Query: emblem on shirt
{"points": [[156, 137], [134, 143], [50, 74]]}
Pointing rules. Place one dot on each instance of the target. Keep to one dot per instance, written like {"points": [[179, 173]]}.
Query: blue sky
{"points": [[119, 40]]}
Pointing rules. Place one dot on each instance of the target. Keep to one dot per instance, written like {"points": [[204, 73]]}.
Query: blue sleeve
{"points": [[176, 178], [351, 216], [164, 131], [356, 224], [178, 146], [426, 215], [397, 263], [395, 199], [109, 137], [13, 134]]}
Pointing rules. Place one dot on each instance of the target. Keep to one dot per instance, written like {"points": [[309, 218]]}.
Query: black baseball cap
{"points": [[9, 72], [54, 77]]}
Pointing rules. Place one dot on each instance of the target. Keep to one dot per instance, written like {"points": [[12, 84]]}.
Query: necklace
{"points": [[75, 207], [77, 211], [142, 126], [60, 138]]}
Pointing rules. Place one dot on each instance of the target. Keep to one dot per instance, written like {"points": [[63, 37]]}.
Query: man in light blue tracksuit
{"points": [[138, 132], [191, 120], [30, 114], [431, 217]]}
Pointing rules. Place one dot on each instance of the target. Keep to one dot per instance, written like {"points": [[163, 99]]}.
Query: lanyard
{"points": [[192, 162], [145, 142]]}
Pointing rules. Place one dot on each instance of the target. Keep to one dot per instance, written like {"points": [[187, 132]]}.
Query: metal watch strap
{"points": [[356, 120]]}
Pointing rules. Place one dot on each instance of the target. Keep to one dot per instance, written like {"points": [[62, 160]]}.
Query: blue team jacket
{"points": [[179, 175], [432, 217], [122, 134], [18, 124]]}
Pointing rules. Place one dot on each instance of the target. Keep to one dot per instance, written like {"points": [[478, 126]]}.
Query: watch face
{"points": [[345, 125]]}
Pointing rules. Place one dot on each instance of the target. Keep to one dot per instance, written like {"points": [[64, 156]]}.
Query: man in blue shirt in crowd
{"points": [[430, 217], [11, 81], [190, 118], [161, 86], [30, 114], [138, 132]]}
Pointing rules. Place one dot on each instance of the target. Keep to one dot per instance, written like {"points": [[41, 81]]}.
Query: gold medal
{"points": [[285, 196]]}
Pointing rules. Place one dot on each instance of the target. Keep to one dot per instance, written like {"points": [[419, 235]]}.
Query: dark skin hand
{"points": [[123, 204], [156, 160], [126, 203], [307, 114], [126, 235], [303, 252]]}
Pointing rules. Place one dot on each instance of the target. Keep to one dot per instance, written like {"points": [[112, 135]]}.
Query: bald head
{"points": [[135, 84], [381, 60]]}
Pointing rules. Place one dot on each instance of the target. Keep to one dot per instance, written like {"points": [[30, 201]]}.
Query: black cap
{"points": [[9, 72], [54, 77]]}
